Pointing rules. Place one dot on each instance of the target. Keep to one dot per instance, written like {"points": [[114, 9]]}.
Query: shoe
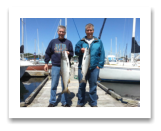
{"points": [[67, 105], [51, 105], [79, 106], [94, 106]]}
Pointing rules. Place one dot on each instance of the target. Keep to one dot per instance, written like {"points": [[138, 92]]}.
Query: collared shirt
{"points": [[89, 41]]}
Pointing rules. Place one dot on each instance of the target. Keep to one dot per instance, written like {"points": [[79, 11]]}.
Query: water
{"points": [[28, 85], [127, 90]]}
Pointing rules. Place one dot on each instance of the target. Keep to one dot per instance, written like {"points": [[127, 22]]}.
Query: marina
{"points": [[106, 95]]}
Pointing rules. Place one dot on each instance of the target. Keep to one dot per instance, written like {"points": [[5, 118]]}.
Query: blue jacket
{"points": [[96, 52]]}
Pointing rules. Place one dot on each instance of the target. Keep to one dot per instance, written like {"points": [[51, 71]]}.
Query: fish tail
{"points": [[66, 91], [83, 81]]}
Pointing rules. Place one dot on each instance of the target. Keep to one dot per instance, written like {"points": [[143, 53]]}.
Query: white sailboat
{"points": [[23, 64], [122, 72]]}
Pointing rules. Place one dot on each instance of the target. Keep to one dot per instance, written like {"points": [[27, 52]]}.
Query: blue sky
{"points": [[114, 27]]}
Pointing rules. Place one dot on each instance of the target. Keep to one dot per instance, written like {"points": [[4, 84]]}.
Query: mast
{"points": [[111, 46], [133, 37], [35, 51], [116, 47], [38, 42], [66, 27], [60, 21], [22, 40]]}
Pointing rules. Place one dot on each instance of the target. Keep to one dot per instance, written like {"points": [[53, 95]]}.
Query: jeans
{"points": [[91, 76], [54, 83]]}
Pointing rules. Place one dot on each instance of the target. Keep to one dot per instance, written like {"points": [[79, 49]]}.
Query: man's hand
{"points": [[97, 67], [82, 49], [68, 52], [46, 67]]}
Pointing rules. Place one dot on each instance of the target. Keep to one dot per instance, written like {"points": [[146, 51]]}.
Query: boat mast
{"points": [[133, 36], [35, 51], [116, 47], [22, 39], [38, 42], [111, 46], [66, 27]]}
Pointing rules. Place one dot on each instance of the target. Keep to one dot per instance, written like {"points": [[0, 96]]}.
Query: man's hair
{"points": [[61, 26], [89, 25]]}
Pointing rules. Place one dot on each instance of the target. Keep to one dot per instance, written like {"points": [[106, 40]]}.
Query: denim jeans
{"points": [[54, 83], [92, 76]]}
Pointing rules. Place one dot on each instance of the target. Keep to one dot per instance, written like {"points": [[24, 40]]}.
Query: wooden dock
{"points": [[104, 99]]}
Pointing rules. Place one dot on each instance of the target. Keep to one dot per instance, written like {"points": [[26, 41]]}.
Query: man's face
{"points": [[61, 33], [89, 32]]}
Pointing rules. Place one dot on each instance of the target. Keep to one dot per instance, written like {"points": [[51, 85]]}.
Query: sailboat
{"points": [[23, 64], [127, 72]]}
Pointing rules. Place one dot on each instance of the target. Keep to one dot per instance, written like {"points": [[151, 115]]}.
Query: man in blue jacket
{"points": [[53, 52], [96, 62]]}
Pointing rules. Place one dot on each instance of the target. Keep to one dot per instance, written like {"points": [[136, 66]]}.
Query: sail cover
{"points": [[135, 48], [22, 49]]}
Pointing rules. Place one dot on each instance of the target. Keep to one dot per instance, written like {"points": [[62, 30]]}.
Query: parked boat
{"points": [[23, 66], [122, 71], [38, 67]]}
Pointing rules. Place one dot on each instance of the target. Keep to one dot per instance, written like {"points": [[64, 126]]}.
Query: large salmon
{"points": [[85, 64], [65, 71]]}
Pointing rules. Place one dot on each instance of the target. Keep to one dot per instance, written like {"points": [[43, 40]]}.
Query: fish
{"points": [[85, 64], [65, 71]]}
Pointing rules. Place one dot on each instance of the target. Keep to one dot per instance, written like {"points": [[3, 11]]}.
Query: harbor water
{"points": [[28, 85], [127, 90]]}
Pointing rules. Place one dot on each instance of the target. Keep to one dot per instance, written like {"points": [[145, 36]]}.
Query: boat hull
{"points": [[38, 67], [22, 70], [120, 74]]}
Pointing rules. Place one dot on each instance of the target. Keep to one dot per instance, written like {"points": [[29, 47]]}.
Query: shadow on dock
{"points": [[87, 98], [70, 97]]}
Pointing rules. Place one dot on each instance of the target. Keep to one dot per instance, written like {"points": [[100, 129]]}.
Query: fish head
{"points": [[64, 55]]}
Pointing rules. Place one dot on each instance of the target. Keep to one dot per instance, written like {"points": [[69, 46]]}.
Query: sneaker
{"points": [[51, 105], [67, 105], [94, 106], [79, 106]]}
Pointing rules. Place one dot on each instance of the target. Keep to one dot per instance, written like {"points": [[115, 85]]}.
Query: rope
{"points": [[76, 29]]}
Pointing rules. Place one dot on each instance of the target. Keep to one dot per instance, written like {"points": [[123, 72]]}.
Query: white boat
{"points": [[111, 59], [121, 71], [23, 66]]}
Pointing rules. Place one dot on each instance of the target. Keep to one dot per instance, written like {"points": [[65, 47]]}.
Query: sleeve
{"points": [[78, 49], [102, 56], [48, 53]]}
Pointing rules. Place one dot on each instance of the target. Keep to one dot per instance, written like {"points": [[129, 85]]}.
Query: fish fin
{"points": [[83, 81]]}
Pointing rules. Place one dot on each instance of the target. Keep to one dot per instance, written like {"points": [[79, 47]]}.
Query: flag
{"points": [[135, 48]]}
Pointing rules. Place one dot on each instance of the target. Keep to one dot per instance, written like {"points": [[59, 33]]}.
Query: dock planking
{"points": [[104, 100]]}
